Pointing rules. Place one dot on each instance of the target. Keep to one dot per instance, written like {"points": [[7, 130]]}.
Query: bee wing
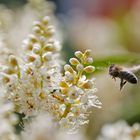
{"points": [[134, 68]]}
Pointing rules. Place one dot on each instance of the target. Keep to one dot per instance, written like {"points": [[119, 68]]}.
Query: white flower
{"points": [[78, 93], [7, 121], [120, 131], [43, 127], [35, 84], [73, 92], [35, 76]]}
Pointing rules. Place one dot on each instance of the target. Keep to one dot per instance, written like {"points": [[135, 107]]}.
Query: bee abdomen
{"points": [[128, 76]]}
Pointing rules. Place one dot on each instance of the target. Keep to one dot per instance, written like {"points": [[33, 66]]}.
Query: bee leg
{"points": [[114, 78], [122, 84]]}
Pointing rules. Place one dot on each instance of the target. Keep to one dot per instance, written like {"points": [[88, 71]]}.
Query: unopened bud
{"points": [[68, 68], [42, 38], [68, 77], [31, 58], [47, 56], [36, 48], [27, 45], [32, 38], [87, 53], [13, 60], [37, 23], [8, 71], [50, 31], [46, 20], [78, 54], [36, 29], [79, 67], [48, 47], [89, 69], [74, 61], [89, 60], [5, 79], [87, 85]]}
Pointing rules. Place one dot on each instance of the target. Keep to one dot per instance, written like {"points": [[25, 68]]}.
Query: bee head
{"points": [[113, 70], [111, 67]]}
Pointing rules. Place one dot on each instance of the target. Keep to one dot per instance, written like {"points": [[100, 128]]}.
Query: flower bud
{"points": [[68, 68], [87, 85], [48, 47], [31, 58], [78, 54], [47, 56], [87, 53], [13, 60], [42, 39], [74, 61], [50, 31], [63, 84], [32, 38], [36, 30], [89, 69], [8, 71], [37, 23], [46, 20], [89, 60], [27, 45], [36, 50], [79, 67], [5, 78], [69, 77]]}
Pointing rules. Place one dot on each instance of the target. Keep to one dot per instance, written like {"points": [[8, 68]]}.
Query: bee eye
{"points": [[111, 67]]}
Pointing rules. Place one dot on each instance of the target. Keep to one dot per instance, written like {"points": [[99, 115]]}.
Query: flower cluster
{"points": [[7, 120], [77, 91], [28, 80], [34, 81], [16, 23], [120, 131]]}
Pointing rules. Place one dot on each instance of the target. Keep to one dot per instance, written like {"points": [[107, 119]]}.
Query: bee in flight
{"points": [[125, 75]]}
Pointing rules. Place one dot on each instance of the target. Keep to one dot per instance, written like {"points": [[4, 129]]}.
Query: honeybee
{"points": [[125, 75]]}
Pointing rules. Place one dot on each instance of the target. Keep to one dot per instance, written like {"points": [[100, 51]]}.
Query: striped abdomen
{"points": [[128, 76]]}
